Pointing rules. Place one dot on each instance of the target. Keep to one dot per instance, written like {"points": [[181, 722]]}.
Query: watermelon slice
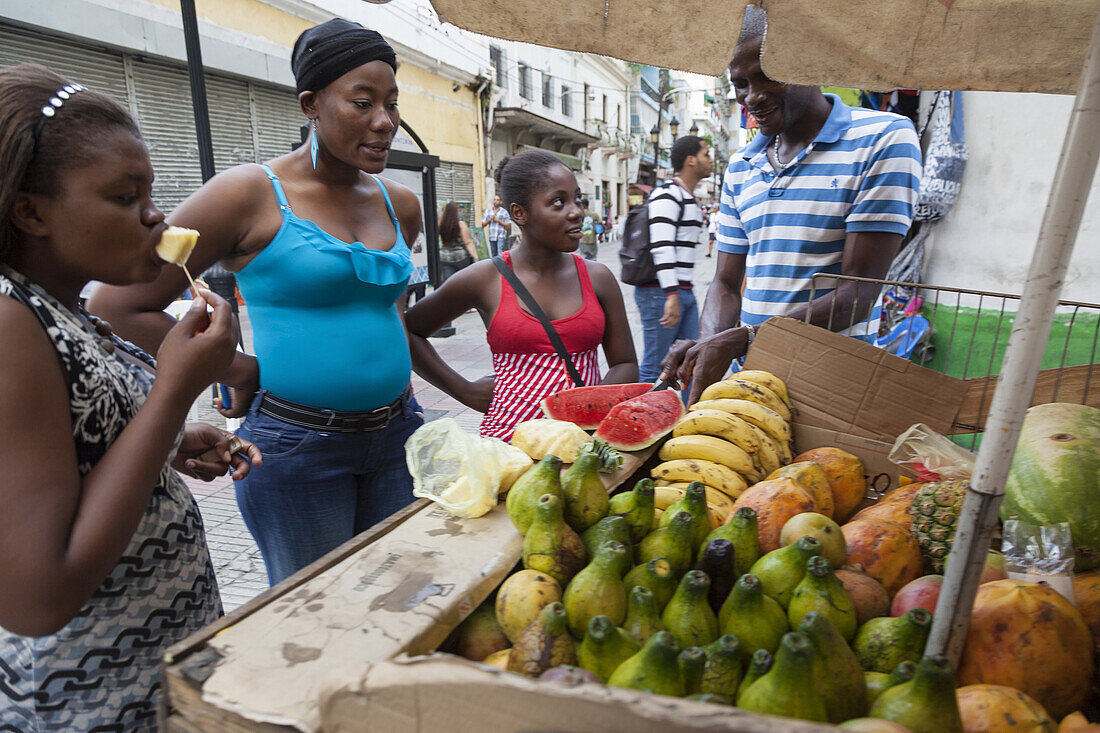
{"points": [[641, 421], [587, 406]]}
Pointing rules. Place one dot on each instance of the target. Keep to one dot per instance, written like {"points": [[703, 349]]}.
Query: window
{"points": [[496, 58], [618, 117], [525, 90], [586, 93], [547, 90], [603, 109], [566, 101]]}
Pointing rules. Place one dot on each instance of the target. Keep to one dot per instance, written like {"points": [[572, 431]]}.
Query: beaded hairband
{"points": [[55, 102]]}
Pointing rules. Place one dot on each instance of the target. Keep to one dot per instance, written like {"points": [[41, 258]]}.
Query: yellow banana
{"points": [[713, 474], [770, 455], [762, 417], [674, 491], [657, 517], [743, 389], [710, 448], [720, 424], [767, 379]]}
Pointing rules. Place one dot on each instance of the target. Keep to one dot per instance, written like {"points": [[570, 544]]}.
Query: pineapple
{"points": [[935, 511]]}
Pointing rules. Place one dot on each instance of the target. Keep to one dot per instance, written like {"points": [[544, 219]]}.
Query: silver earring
{"points": [[313, 144]]}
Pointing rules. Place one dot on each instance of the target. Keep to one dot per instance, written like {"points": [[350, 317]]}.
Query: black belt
{"points": [[332, 421]]}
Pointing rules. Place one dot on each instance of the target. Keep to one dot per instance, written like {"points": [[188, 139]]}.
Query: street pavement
{"points": [[237, 560]]}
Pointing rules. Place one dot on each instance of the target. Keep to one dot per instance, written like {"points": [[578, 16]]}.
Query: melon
{"points": [[641, 421], [1055, 475], [588, 406]]}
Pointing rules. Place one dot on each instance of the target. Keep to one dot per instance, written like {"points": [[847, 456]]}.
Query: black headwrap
{"points": [[326, 52]]}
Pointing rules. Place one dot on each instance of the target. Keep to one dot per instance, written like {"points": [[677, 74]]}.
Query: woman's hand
{"points": [[478, 394], [207, 452], [198, 348]]}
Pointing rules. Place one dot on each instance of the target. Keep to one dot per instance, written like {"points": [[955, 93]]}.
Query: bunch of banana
{"points": [[719, 504], [735, 435]]}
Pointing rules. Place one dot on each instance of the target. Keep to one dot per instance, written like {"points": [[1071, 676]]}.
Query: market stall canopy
{"points": [[995, 45]]}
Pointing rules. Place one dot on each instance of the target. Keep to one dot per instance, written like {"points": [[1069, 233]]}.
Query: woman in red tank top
{"points": [[581, 298]]}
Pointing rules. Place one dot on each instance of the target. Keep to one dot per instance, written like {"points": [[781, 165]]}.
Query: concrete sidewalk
{"points": [[237, 560]]}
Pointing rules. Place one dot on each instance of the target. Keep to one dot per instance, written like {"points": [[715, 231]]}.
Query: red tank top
{"points": [[525, 365]]}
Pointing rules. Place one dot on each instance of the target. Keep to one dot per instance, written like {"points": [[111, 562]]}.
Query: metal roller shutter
{"points": [[455, 182], [93, 67], [230, 121], [168, 123], [278, 119]]}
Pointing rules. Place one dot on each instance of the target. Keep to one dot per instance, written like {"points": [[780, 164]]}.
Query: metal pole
{"points": [[198, 88], [1057, 235]]}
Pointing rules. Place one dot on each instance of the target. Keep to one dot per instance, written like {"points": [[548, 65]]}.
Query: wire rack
{"points": [[964, 333]]}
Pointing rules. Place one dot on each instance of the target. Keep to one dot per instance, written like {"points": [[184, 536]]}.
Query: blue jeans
{"points": [[496, 246], [317, 490], [657, 338]]}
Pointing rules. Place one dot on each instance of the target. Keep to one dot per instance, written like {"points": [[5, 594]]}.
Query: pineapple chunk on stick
{"points": [[175, 247]]}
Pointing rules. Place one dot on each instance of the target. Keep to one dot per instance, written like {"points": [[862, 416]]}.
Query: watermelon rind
{"points": [[641, 421], [588, 406], [1055, 475]]}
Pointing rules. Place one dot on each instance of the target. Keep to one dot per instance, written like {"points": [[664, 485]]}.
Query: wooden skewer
{"points": [[194, 287]]}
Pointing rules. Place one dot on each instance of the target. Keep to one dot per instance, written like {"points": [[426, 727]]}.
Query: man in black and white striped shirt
{"points": [[667, 306]]}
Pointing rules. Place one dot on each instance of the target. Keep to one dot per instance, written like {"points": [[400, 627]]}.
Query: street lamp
{"points": [[694, 129], [674, 127], [655, 136]]}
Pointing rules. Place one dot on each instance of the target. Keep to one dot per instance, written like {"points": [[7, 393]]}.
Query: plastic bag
{"points": [[931, 456], [1039, 554], [463, 473]]}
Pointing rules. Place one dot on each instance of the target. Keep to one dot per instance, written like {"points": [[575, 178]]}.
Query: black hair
{"points": [[682, 148], [520, 176], [584, 202], [36, 150], [754, 25]]}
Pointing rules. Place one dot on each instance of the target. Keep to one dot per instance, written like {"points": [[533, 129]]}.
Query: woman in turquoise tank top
{"points": [[320, 247]]}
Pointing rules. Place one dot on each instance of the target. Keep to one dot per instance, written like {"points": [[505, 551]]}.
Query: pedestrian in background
{"points": [[497, 225], [667, 306], [104, 563], [588, 246], [328, 396], [581, 299], [712, 228], [456, 249]]}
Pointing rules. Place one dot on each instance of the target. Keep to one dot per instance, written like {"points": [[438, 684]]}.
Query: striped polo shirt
{"points": [[675, 219], [860, 174]]}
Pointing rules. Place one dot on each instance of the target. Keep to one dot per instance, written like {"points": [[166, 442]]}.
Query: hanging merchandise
{"points": [[945, 160]]}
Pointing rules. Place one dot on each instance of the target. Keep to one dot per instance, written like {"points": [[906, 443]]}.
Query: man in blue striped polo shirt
{"points": [[823, 188]]}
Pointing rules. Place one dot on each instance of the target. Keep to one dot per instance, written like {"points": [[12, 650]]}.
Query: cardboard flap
{"points": [[849, 385], [444, 693]]}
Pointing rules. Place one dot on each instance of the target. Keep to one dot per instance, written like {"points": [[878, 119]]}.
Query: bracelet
{"points": [[751, 330]]}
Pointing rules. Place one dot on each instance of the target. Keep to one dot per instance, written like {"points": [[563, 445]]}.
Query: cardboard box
{"points": [[318, 652]]}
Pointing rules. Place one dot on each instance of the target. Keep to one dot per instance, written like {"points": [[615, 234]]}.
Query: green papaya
{"points": [[654, 668], [883, 643], [597, 589], [759, 664], [672, 542], [688, 616], [643, 619], [723, 670], [925, 704], [542, 478], [757, 620], [877, 682], [637, 508], [551, 546], [694, 503], [545, 643], [742, 531], [585, 495], [787, 689], [821, 591], [692, 662], [780, 571], [605, 647], [656, 575], [608, 528], [837, 674]]}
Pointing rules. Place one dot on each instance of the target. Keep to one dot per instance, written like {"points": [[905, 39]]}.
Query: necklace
{"points": [[782, 165], [102, 330]]}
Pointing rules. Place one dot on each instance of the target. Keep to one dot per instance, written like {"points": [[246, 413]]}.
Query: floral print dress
{"points": [[101, 671]]}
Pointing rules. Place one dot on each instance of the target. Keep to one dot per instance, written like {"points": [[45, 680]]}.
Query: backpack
{"points": [[634, 255]]}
